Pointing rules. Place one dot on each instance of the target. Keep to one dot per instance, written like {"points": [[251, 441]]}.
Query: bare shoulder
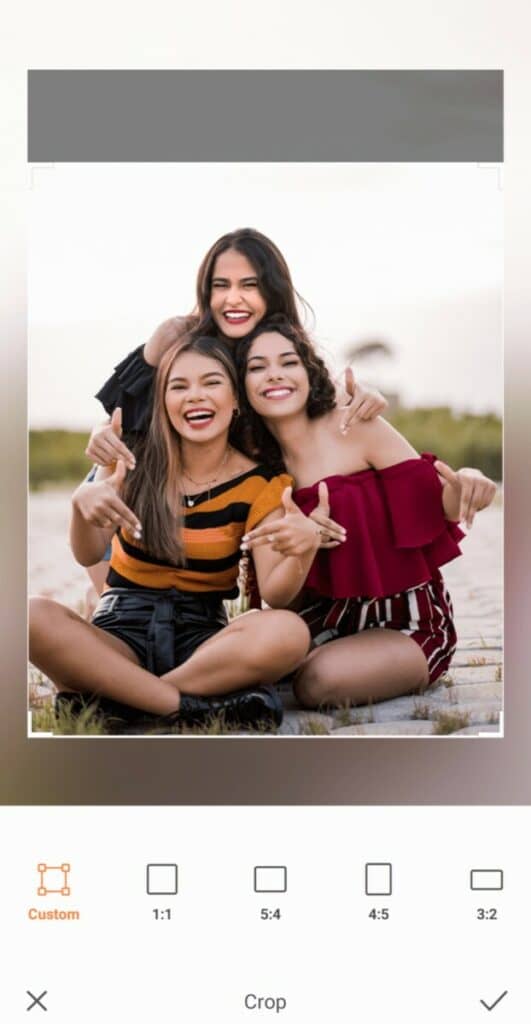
{"points": [[382, 445]]}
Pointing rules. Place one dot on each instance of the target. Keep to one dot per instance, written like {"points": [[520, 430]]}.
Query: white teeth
{"points": [[277, 392], [237, 316], [199, 416]]}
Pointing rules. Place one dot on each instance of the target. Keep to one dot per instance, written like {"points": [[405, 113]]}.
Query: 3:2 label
{"points": [[487, 914]]}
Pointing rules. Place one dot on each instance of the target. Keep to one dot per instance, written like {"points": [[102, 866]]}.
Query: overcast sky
{"points": [[408, 253]]}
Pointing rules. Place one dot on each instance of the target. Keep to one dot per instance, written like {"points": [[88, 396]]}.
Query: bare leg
{"points": [[74, 654], [374, 665], [258, 647]]}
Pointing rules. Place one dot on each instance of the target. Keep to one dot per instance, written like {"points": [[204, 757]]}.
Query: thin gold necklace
{"points": [[189, 499]]}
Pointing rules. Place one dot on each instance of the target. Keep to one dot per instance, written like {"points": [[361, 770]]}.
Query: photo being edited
{"points": [[266, 452]]}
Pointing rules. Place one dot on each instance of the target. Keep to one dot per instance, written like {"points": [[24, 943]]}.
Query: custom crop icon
{"points": [[53, 879]]}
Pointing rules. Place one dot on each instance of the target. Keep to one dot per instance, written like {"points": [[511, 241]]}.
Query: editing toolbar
{"points": [[227, 914]]}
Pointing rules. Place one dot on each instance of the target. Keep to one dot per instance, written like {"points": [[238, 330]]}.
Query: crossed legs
{"points": [[259, 647]]}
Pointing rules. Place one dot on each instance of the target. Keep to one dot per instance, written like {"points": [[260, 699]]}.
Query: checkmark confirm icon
{"points": [[495, 1003]]}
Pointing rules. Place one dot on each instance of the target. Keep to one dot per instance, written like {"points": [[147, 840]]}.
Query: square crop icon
{"points": [[161, 879]]}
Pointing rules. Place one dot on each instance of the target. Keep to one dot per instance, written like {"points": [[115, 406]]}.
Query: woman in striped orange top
{"points": [[159, 642]]}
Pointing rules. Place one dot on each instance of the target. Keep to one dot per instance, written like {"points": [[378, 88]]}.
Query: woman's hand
{"points": [[105, 446], [467, 491], [100, 505], [361, 403], [332, 534], [292, 534]]}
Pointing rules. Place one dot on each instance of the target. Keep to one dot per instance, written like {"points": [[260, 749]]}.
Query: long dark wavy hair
{"points": [[321, 399], [272, 271], [153, 490]]}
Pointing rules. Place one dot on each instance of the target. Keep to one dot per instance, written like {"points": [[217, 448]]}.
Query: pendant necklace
{"points": [[189, 499]]}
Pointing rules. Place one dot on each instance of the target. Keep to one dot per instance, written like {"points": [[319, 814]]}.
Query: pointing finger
{"points": [[121, 451], [256, 542], [351, 414], [120, 447], [264, 531], [121, 515], [446, 473], [350, 382], [324, 503], [116, 421], [287, 501], [467, 508]]}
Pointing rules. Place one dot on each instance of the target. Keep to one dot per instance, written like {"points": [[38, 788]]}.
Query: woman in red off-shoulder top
{"points": [[374, 598]]}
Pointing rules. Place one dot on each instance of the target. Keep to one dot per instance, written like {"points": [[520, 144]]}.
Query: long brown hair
{"points": [[153, 490], [272, 271]]}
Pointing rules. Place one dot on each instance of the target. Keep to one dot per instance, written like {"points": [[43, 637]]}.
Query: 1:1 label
{"points": [[162, 915]]}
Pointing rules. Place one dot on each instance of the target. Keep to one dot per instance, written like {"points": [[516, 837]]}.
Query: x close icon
{"points": [[36, 1001]]}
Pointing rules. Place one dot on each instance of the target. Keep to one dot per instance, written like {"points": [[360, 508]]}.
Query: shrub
{"points": [[57, 456], [458, 439]]}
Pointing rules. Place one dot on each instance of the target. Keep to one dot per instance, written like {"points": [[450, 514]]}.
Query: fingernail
{"points": [[137, 534], [245, 538], [244, 547]]}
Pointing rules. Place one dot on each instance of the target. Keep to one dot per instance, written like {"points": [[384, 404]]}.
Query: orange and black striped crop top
{"points": [[212, 531]]}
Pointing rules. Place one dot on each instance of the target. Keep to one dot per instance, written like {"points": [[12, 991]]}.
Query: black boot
{"points": [[258, 707]]}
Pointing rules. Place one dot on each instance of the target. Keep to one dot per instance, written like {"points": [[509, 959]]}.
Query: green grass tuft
{"points": [[421, 712], [447, 722], [314, 727]]}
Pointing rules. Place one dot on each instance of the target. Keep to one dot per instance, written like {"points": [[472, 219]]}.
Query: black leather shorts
{"points": [[162, 627]]}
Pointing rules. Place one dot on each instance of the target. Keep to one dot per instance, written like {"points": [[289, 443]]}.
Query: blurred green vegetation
{"points": [[460, 440], [57, 456]]}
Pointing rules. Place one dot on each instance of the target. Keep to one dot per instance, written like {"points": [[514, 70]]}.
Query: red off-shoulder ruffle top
{"points": [[397, 535]]}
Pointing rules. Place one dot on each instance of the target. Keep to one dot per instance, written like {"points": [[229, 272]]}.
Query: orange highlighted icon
{"points": [[53, 879]]}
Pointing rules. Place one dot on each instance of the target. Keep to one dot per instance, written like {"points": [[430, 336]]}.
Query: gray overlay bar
{"points": [[288, 115]]}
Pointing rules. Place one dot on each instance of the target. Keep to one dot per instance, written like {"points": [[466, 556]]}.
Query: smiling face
{"points": [[199, 397], [276, 380], [236, 303]]}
